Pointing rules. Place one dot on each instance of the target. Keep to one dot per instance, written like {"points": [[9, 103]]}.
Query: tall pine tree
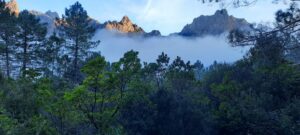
{"points": [[50, 53], [32, 35], [8, 30], [76, 29]]}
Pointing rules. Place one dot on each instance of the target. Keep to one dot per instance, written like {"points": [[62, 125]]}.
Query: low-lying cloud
{"points": [[206, 49]]}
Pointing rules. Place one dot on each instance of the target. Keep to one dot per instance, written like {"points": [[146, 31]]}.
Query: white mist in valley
{"points": [[206, 49]]}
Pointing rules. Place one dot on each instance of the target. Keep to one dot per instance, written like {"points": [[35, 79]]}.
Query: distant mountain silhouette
{"points": [[212, 25]]}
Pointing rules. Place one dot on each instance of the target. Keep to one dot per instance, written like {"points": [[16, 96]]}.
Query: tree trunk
{"points": [[7, 61], [25, 56], [76, 62]]}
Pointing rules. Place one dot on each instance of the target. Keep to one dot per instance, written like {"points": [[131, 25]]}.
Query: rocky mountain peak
{"points": [[222, 12], [153, 33], [13, 6], [52, 14], [48, 18], [214, 25], [126, 20], [124, 26]]}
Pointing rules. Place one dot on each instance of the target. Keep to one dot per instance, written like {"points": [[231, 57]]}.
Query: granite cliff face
{"points": [[47, 18], [124, 26], [13, 6], [214, 25]]}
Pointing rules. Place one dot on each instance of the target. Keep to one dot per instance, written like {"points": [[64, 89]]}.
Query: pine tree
{"points": [[8, 30], [97, 98], [76, 29], [32, 35], [162, 65], [50, 53]]}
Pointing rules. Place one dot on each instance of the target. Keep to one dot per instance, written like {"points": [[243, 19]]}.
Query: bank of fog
{"points": [[206, 49]]}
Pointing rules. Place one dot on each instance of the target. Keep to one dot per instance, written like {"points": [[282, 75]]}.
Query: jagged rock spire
{"points": [[13, 6], [126, 20], [124, 26]]}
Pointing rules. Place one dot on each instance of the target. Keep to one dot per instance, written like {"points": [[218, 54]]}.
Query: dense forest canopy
{"points": [[54, 85]]}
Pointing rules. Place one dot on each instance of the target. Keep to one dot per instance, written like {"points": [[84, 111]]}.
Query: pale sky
{"points": [[168, 16]]}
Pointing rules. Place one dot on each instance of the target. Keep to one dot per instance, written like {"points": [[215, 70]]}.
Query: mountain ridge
{"points": [[210, 25]]}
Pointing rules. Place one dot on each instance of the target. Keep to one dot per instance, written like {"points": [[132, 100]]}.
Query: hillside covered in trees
{"points": [[55, 85]]}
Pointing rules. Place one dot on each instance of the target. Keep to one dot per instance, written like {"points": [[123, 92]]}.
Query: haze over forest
{"points": [[162, 67]]}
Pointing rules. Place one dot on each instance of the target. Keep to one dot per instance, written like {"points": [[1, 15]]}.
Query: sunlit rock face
{"points": [[13, 6], [124, 26], [214, 25]]}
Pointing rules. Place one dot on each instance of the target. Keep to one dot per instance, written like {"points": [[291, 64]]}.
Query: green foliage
{"points": [[257, 95], [7, 124], [76, 30], [96, 99]]}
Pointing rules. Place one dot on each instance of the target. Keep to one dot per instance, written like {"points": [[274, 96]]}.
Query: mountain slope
{"points": [[47, 18], [214, 25]]}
